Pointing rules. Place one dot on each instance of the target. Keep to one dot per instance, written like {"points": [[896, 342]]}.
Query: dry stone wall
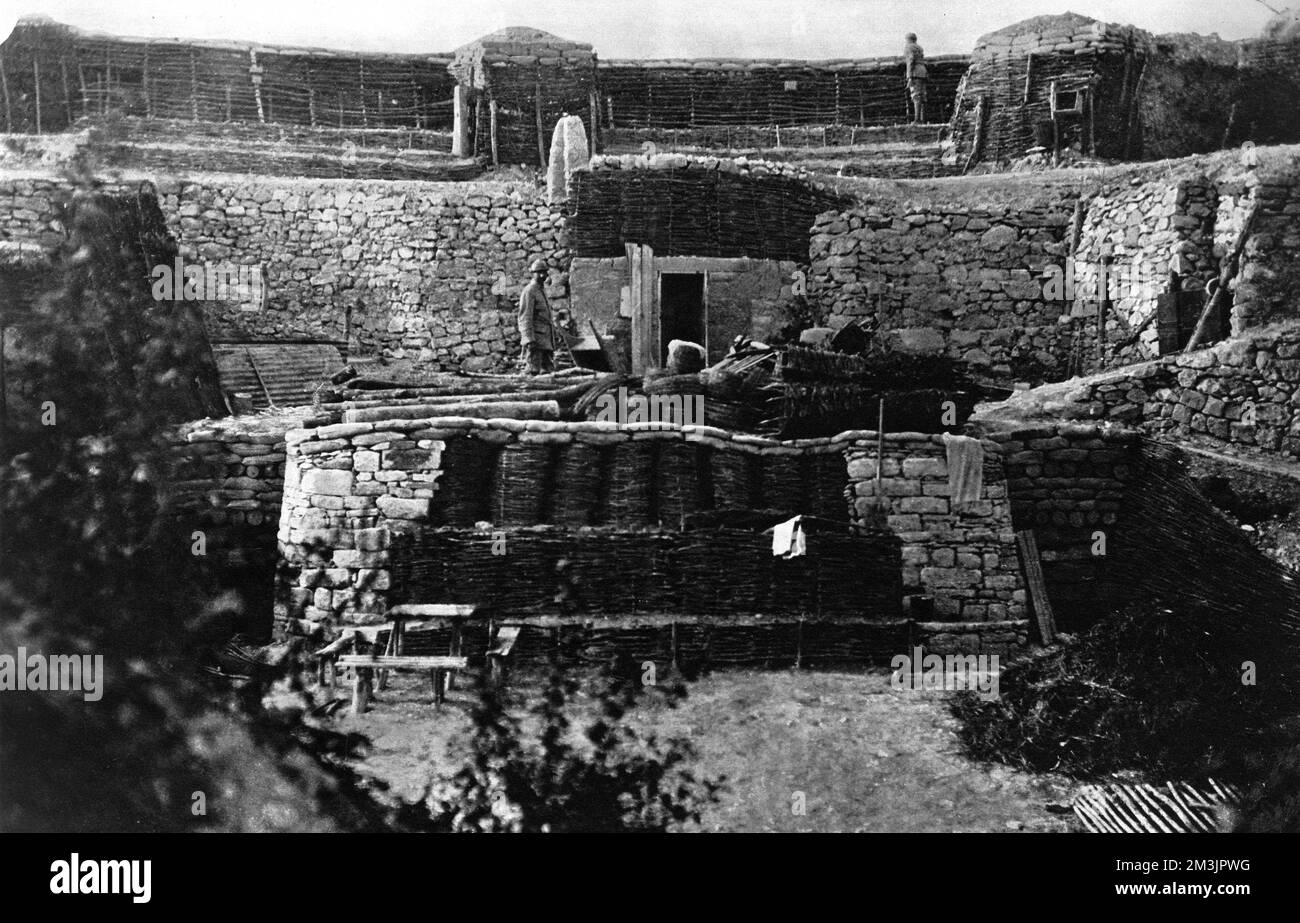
{"points": [[962, 554], [427, 271], [1241, 394], [964, 281], [350, 489]]}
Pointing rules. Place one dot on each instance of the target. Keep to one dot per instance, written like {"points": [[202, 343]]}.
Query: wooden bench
{"points": [[365, 666], [370, 666]]}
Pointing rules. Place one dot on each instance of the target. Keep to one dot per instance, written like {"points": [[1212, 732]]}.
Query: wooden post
{"points": [[85, 93], [474, 143], [107, 83], [36, 75], [1029, 75], [460, 121], [1103, 307], [311, 105], [144, 84], [541, 128], [230, 104], [361, 73], [194, 88], [67, 90], [593, 104], [361, 686], [1037, 585], [4, 85], [492, 130], [255, 75]]}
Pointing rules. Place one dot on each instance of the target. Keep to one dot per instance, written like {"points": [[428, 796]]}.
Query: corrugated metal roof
{"points": [[290, 372]]}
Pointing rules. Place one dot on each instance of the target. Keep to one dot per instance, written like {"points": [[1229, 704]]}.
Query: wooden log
{"points": [[405, 662], [1033, 568], [485, 410]]}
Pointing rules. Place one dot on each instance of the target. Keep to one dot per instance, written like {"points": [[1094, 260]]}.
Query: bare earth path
{"points": [[864, 756]]}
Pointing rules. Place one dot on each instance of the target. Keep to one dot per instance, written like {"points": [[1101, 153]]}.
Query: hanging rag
{"points": [[569, 153], [788, 539], [965, 468]]}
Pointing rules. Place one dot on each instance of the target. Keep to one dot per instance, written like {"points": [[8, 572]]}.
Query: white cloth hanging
{"points": [[569, 153], [788, 539]]}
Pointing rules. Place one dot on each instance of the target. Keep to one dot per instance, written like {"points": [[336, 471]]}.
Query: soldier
{"points": [[536, 325], [915, 74]]}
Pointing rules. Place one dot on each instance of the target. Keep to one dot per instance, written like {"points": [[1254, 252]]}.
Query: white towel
{"points": [[569, 153], [965, 468], [788, 540]]}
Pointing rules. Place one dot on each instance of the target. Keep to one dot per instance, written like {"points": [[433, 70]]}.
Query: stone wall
{"points": [[965, 281], [430, 272], [962, 554], [1241, 394], [1066, 482], [349, 488], [1142, 227]]}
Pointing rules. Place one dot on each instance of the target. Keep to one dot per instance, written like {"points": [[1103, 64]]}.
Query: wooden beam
{"points": [[541, 128], [1037, 585], [492, 131], [432, 610], [36, 74], [4, 85], [460, 121], [402, 662], [67, 90], [1226, 273]]}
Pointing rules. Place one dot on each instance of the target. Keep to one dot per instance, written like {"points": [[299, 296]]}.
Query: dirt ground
{"points": [[865, 757]]}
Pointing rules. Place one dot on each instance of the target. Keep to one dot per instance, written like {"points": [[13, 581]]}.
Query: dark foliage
{"points": [[1148, 689]]}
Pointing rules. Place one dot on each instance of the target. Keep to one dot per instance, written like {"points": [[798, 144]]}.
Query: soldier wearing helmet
{"points": [[536, 324]]}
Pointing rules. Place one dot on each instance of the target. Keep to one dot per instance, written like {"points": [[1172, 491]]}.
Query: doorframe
{"points": [[659, 300], [643, 273]]}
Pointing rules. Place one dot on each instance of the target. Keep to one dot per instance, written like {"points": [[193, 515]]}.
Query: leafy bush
{"points": [[1148, 689]]}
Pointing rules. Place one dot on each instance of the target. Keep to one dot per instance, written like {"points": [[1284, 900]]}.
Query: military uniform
{"points": [[914, 61], [536, 331]]}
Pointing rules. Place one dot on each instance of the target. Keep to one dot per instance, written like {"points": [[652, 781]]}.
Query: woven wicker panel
{"points": [[631, 477], [828, 484], [723, 571], [581, 474], [464, 489], [623, 572], [524, 479], [733, 480], [785, 483], [677, 483]]}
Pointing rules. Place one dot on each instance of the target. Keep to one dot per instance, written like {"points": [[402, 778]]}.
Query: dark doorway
{"points": [[681, 310]]}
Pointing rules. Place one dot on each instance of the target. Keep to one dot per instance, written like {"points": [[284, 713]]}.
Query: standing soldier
{"points": [[915, 74], [536, 326]]}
